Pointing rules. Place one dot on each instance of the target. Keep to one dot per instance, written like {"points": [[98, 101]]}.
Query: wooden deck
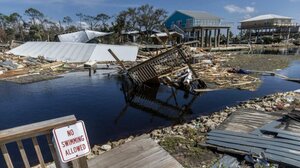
{"points": [[247, 120], [139, 153]]}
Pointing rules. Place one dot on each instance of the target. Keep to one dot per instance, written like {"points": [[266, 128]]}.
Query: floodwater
{"points": [[278, 51], [108, 113]]}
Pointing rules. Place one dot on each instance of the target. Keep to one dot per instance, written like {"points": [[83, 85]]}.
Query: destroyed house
{"points": [[198, 25], [268, 25]]}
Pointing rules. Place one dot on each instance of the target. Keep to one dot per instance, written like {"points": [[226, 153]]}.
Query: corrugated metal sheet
{"points": [[125, 53], [81, 36], [75, 52], [93, 34]]}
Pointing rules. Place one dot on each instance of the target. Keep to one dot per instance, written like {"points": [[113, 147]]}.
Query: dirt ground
{"points": [[187, 151]]}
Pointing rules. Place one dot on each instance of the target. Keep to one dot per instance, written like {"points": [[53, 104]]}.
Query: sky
{"points": [[228, 10]]}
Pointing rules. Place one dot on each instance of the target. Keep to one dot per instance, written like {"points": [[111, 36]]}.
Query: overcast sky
{"points": [[229, 10]]}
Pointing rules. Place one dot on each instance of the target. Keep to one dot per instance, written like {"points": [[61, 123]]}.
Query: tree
{"points": [[131, 19], [103, 18], [34, 15], [35, 33], [71, 28], [3, 21], [150, 19], [52, 30], [93, 21], [67, 20], [3, 36], [80, 15], [17, 23], [144, 19], [119, 25]]}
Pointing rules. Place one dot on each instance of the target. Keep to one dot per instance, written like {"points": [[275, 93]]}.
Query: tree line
{"points": [[39, 28]]}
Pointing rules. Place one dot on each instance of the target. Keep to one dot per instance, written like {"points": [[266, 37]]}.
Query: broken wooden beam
{"points": [[117, 59]]}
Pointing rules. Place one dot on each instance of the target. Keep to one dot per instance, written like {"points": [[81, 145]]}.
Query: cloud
{"points": [[237, 9]]}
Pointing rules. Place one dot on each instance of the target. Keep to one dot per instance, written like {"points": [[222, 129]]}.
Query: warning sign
{"points": [[72, 141]]}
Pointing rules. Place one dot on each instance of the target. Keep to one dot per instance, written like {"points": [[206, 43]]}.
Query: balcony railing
{"points": [[272, 25], [222, 24]]}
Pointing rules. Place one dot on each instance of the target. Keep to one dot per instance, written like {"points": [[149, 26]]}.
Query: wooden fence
{"points": [[32, 131]]}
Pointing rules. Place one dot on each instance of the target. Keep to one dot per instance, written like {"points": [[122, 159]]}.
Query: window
{"points": [[189, 23], [179, 23]]}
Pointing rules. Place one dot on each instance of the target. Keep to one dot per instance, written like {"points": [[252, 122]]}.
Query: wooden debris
{"points": [[23, 70], [205, 66]]}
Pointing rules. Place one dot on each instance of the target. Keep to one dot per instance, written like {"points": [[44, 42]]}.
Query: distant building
{"points": [[198, 25], [268, 25], [175, 38], [135, 36]]}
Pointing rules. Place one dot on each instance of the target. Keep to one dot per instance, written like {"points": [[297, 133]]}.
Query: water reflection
{"points": [[146, 99]]}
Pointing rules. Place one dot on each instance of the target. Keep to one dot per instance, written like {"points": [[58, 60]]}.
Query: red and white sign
{"points": [[72, 141]]}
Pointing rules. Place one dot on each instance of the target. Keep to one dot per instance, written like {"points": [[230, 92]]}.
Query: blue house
{"points": [[198, 25]]}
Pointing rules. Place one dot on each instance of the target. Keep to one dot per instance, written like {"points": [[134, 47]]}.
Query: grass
{"points": [[261, 62], [186, 149]]}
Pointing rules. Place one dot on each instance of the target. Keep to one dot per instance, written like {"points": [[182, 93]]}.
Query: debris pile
{"points": [[275, 102], [210, 68], [199, 65], [26, 69]]}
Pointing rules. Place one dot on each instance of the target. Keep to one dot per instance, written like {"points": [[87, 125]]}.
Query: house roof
{"points": [[81, 36], [75, 52], [198, 14], [266, 17]]}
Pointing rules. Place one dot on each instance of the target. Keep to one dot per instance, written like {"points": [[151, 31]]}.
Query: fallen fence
{"points": [[160, 65]]}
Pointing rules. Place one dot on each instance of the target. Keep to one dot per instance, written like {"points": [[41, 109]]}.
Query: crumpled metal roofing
{"points": [[81, 36], [75, 52]]}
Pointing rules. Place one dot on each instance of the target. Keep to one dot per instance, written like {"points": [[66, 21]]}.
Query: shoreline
{"points": [[183, 141]]}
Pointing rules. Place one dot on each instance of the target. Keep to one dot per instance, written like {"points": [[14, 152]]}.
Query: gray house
{"points": [[198, 25]]}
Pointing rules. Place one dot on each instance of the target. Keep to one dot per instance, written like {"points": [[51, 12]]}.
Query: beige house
{"points": [[269, 25]]}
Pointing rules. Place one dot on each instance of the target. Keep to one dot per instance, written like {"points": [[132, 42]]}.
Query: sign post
{"points": [[72, 142]]}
